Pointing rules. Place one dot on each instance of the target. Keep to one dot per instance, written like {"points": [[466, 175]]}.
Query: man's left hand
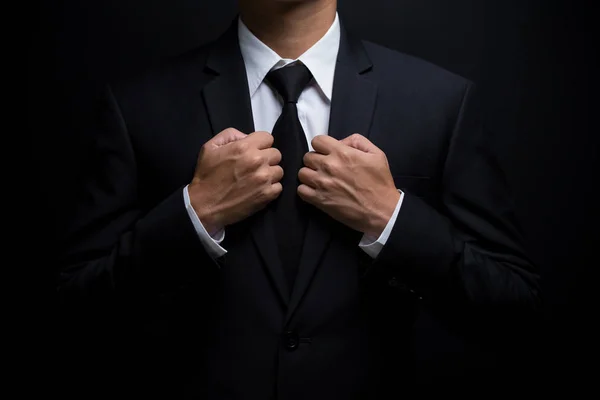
{"points": [[350, 180]]}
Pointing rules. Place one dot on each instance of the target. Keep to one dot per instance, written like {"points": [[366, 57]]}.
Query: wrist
{"points": [[382, 215], [203, 210]]}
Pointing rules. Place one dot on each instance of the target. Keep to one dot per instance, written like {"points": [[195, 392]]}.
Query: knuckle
{"points": [[323, 182], [241, 147], [262, 177], [331, 166], [258, 159], [355, 139], [255, 160], [267, 192], [263, 135], [345, 154]]}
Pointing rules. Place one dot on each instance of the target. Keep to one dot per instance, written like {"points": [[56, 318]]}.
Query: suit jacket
{"points": [[230, 328]]}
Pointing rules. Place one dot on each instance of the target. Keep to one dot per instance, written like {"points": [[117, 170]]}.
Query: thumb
{"points": [[226, 136], [360, 142]]}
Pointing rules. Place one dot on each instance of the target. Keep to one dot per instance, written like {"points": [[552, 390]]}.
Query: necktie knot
{"points": [[290, 81]]}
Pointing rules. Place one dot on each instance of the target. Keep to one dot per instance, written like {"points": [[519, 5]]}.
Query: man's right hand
{"points": [[236, 175]]}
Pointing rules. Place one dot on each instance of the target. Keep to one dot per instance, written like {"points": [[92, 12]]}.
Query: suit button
{"points": [[291, 340]]}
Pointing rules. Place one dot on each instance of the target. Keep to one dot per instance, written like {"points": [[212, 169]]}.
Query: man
{"points": [[281, 202]]}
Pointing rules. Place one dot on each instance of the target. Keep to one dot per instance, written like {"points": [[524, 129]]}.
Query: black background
{"points": [[533, 60]]}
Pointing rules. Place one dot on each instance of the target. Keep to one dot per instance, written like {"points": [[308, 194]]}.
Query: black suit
{"points": [[222, 324]]}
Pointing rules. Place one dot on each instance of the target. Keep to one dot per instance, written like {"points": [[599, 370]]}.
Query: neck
{"points": [[289, 28]]}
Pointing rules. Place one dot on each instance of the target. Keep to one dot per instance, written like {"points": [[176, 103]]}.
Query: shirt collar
{"points": [[320, 59]]}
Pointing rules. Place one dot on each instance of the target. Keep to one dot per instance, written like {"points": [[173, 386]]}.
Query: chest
{"points": [[167, 133]]}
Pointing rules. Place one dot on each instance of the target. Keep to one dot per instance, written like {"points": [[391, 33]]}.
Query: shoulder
{"points": [[396, 69], [173, 73]]}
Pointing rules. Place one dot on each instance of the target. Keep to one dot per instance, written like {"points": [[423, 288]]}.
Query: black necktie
{"points": [[289, 138]]}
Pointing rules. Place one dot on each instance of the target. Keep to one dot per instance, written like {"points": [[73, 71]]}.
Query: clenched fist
{"points": [[236, 175], [351, 181]]}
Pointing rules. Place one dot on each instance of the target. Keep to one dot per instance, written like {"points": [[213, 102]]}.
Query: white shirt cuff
{"points": [[212, 244], [373, 247]]}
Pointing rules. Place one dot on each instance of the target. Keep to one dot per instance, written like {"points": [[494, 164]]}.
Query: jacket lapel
{"points": [[226, 96], [228, 104], [353, 103]]}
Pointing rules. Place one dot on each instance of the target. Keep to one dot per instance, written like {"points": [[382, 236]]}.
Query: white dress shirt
{"points": [[314, 107]]}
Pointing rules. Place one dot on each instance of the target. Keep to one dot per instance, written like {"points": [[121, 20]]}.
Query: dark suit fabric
{"points": [[187, 324]]}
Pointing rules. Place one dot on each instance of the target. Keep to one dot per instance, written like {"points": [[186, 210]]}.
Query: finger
{"points": [[324, 144], [307, 194], [361, 143], [308, 177], [227, 136], [260, 140], [276, 189], [272, 155], [276, 173], [313, 160], [272, 193]]}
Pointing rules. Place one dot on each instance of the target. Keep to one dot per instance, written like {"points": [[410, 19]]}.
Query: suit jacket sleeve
{"points": [[112, 243], [466, 254]]}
